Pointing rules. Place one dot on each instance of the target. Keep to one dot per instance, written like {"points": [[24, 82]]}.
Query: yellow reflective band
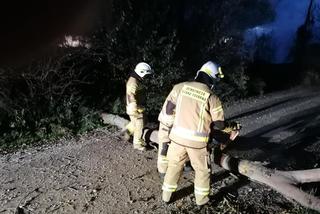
{"points": [[169, 188], [195, 93], [202, 188], [218, 109], [207, 71], [132, 89], [205, 193], [190, 135], [163, 159], [140, 110], [201, 191], [138, 142]]}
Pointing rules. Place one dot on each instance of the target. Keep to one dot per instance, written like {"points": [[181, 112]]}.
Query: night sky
{"points": [[29, 28], [290, 14]]}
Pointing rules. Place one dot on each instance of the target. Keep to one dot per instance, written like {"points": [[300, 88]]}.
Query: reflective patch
{"points": [[132, 89], [190, 135], [195, 93], [138, 141], [201, 191], [169, 188], [216, 110], [163, 159]]}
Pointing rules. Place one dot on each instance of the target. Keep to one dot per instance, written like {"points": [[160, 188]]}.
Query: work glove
{"points": [[235, 125], [233, 129], [140, 110], [232, 126]]}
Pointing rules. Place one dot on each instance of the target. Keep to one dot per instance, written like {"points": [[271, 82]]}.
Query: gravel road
{"points": [[99, 173]]}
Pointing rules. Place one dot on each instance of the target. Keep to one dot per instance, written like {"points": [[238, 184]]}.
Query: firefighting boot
{"points": [[166, 196], [201, 200], [140, 148], [125, 135], [127, 132], [139, 145]]}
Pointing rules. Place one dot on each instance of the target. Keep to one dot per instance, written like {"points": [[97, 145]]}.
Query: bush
{"points": [[311, 78], [60, 95], [43, 102]]}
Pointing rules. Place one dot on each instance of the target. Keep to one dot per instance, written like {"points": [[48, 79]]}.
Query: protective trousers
{"points": [[199, 158], [135, 128], [163, 136]]}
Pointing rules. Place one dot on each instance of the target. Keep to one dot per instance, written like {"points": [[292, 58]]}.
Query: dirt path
{"points": [[98, 173]]}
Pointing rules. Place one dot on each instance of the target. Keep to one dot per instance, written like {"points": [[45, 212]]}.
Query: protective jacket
{"points": [[190, 109], [134, 95]]}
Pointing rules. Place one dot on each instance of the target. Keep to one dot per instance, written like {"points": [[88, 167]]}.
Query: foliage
{"points": [[44, 102], [311, 78], [51, 97], [177, 37], [143, 32]]}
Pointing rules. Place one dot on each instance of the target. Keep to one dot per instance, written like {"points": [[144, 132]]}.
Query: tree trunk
{"points": [[282, 181]]}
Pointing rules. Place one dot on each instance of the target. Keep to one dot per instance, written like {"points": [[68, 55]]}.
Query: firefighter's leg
{"points": [[200, 162], [131, 125], [177, 156], [162, 163], [163, 136], [128, 131], [138, 142]]}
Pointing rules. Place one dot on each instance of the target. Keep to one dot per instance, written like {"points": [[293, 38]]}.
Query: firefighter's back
{"points": [[192, 117]]}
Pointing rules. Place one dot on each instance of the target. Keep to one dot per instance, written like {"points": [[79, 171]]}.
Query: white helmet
{"points": [[143, 69], [212, 69]]}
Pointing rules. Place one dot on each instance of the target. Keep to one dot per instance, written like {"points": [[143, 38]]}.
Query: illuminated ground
{"points": [[99, 173]]}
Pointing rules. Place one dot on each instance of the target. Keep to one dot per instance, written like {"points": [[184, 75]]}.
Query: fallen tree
{"points": [[285, 182]]}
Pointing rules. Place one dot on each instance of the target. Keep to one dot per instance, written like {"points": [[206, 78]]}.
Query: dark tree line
{"points": [[62, 94]]}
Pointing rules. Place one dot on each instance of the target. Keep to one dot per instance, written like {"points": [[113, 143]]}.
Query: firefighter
{"points": [[135, 101], [165, 118], [190, 110]]}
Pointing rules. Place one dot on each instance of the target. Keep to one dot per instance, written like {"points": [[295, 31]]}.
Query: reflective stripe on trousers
{"points": [[169, 188], [177, 156], [201, 191], [163, 159]]}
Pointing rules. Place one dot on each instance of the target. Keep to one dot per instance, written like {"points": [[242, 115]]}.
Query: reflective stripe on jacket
{"points": [[195, 108], [134, 96]]}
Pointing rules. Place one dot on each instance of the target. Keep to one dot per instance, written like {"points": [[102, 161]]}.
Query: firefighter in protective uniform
{"points": [[135, 101], [186, 119]]}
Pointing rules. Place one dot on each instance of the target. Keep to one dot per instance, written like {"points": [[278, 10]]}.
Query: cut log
{"points": [[283, 182], [114, 120]]}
